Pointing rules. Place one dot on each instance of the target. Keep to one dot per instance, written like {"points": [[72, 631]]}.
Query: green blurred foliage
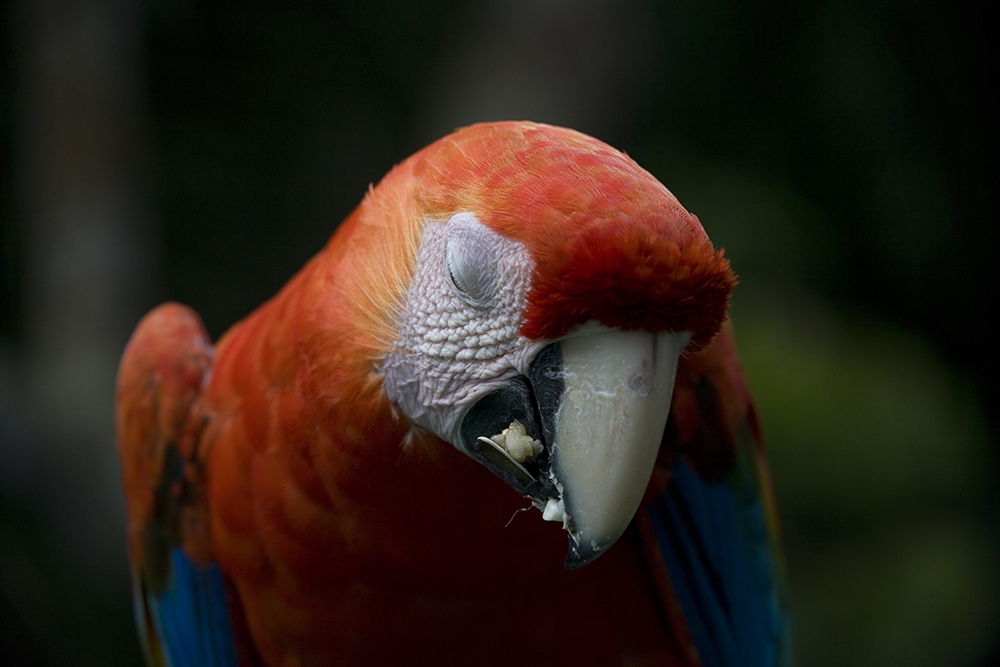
{"points": [[883, 472]]}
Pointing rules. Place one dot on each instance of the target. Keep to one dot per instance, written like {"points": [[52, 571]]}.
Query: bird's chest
{"points": [[601, 615]]}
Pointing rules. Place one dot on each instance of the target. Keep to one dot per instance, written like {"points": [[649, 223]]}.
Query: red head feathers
{"points": [[609, 241]]}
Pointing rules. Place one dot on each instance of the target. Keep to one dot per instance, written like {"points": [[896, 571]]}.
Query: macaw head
{"points": [[551, 287]]}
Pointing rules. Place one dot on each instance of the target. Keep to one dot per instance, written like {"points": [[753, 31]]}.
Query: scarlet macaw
{"points": [[497, 326]]}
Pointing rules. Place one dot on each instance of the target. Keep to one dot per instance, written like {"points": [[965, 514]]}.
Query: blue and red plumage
{"points": [[272, 476]]}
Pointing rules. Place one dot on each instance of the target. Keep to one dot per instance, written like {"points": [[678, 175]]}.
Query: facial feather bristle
{"points": [[382, 257]]}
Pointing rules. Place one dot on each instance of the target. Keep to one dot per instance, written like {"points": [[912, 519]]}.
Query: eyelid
{"points": [[470, 277], [470, 246]]}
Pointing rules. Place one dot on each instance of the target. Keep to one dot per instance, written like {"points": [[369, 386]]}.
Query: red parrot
{"points": [[504, 323]]}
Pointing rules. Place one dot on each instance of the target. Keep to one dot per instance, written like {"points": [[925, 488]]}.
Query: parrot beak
{"points": [[580, 433]]}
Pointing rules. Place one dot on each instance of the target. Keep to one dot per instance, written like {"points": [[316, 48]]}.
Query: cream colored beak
{"points": [[607, 429]]}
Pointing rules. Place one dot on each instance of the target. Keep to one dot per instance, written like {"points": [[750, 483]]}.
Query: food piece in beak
{"points": [[580, 432]]}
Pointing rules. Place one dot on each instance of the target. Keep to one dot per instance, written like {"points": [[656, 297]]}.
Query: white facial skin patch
{"points": [[459, 342], [458, 332]]}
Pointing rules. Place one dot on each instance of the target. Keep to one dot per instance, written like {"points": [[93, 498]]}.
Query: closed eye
{"points": [[471, 251]]}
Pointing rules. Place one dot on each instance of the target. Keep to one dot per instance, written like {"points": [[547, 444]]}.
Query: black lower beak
{"points": [[530, 401], [579, 432]]}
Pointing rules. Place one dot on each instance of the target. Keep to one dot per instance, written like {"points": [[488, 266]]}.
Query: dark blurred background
{"points": [[845, 154]]}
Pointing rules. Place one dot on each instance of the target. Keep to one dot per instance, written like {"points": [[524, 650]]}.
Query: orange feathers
{"points": [[349, 536]]}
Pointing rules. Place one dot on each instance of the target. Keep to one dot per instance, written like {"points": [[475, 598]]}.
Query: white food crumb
{"points": [[518, 443], [554, 510]]}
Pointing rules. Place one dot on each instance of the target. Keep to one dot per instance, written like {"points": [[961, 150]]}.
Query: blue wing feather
{"points": [[190, 617], [715, 546]]}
